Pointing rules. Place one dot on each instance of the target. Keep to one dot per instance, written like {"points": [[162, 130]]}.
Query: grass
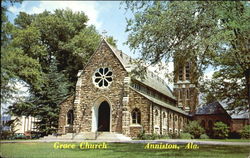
{"points": [[217, 140], [225, 140], [119, 150]]}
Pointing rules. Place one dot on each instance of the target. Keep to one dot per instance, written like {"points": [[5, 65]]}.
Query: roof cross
{"points": [[104, 34]]}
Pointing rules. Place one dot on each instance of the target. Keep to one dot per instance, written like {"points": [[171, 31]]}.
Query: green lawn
{"points": [[225, 140], [119, 150]]}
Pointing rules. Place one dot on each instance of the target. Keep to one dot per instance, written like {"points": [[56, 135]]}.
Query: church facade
{"points": [[109, 99]]}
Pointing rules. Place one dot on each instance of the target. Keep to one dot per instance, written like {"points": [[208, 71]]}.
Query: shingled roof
{"points": [[161, 103], [222, 108], [236, 113], [151, 80], [211, 108]]}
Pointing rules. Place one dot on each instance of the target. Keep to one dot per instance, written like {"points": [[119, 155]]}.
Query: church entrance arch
{"points": [[104, 117], [101, 115]]}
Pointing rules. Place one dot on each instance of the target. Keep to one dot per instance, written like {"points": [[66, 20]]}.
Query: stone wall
{"points": [[155, 119], [135, 130], [65, 106], [238, 124], [138, 101]]}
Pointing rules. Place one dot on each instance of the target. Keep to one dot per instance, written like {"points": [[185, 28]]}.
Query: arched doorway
{"points": [[104, 117]]}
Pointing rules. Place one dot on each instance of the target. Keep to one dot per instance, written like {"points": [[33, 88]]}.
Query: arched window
{"points": [[175, 118], [164, 119], [156, 112], [180, 121], [136, 116], [70, 117], [157, 117]]}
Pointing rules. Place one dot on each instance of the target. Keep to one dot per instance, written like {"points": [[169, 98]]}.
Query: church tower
{"points": [[185, 85]]}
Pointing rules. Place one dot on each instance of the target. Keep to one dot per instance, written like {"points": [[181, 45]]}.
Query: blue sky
{"points": [[105, 15]]}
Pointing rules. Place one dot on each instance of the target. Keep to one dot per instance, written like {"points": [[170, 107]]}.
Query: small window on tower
{"points": [[180, 73], [187, 71]]}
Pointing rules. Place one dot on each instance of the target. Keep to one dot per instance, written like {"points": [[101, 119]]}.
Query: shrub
{"points": [[173, 135], [153, 136], [143, 136], [194, 129], [204, 136], [6, 135], [186, 136], [221, 130], [245, 133], [164, 136]]}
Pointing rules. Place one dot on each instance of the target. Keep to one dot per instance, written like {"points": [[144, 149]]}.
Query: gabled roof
{"points": [[211, 108], [222, 108], [236, 113], [151, 80], [239, 114]]}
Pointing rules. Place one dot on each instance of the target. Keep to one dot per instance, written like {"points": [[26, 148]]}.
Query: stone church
{"points": [[109, 99]]}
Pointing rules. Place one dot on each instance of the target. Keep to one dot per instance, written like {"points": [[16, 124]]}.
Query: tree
{"points": [[194, 129], [220, 130], [15, 64], [111, 41], [62, 35], [45, 103], [209, 98], [46, 51], [56, 90], [207, 33], [245, 133]]}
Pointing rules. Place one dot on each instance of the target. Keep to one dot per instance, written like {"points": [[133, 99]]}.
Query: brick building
{"points": [[209, 114], [108, 99]]}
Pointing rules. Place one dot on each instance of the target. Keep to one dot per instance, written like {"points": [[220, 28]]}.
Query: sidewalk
{"points": [[169, 141]]}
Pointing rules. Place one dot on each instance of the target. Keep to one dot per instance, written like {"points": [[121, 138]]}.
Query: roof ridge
{"points": [[159, 84]]}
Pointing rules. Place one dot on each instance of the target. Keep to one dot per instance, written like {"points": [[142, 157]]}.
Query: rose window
{"points": [[103, 77]]}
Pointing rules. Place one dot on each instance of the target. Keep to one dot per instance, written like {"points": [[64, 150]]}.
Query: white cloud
{"points": [[90, 8]]}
